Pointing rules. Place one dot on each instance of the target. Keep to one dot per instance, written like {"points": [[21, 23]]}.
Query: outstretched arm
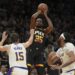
{"points": [[50, 25], [71, 59], [4, 37], [33, 19], [32, 27], [29, 42], [4, 48]]}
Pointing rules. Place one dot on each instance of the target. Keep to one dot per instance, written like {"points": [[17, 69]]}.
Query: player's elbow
{"points": [[72, 59], [2, 49], [33, 16], [51, 27]]}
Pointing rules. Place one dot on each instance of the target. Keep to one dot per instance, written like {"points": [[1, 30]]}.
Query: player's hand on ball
{"points": [[45, 12], [39, 11], [43, 7]]}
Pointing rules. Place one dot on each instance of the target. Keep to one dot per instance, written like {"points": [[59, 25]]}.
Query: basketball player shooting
{"points": [[39, 37]]}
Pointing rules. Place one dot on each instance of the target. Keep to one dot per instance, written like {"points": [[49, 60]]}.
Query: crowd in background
{"points": [[15, 15]]}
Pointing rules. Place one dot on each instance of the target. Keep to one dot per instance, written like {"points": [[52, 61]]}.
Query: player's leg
{"points": [[51, 71], [40, 70], [40, 65], [29, 68], [17, 71], [30, 60]]}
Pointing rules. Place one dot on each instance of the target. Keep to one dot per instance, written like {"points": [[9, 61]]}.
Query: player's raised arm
{"points": [[29, 42], [4, 48], [4, 37], [50, 25], [32, 27], [33, 19]]}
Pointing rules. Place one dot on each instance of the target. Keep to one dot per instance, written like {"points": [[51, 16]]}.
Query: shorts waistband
{"points": [[71, 70], [21, 67]]}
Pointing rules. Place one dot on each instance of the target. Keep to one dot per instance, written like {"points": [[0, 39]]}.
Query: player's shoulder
{"points": [[7, 45], [22, 44], [69, 44], [16, 44]]}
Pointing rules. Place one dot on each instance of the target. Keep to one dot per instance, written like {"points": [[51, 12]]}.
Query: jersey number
{"points": [[38, 38], [19, 56]]}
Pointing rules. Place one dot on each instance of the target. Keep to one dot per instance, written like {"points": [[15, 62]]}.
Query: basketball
{"points": [[54, 59], [43, 7]]}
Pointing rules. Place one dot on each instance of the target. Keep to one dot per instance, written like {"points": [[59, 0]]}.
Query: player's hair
{"points": [[67, 37], [14, 37]]}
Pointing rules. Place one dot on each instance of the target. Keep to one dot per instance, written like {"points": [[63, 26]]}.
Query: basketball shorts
{"points": [[18, 71], [68, 73]]}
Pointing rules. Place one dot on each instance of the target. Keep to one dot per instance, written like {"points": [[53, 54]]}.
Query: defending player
{"points": [[67, 53], [17, 54]]}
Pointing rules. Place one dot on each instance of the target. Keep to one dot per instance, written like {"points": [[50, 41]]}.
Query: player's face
{"points": [[39, 22], [61, 42]]}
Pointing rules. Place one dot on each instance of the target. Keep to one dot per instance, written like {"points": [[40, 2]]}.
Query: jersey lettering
{"points": [[17, 48], [39, 36]]}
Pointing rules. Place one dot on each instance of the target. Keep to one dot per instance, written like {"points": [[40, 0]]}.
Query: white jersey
{"points": [[17, 55], [62, 52], [1, 73]]}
